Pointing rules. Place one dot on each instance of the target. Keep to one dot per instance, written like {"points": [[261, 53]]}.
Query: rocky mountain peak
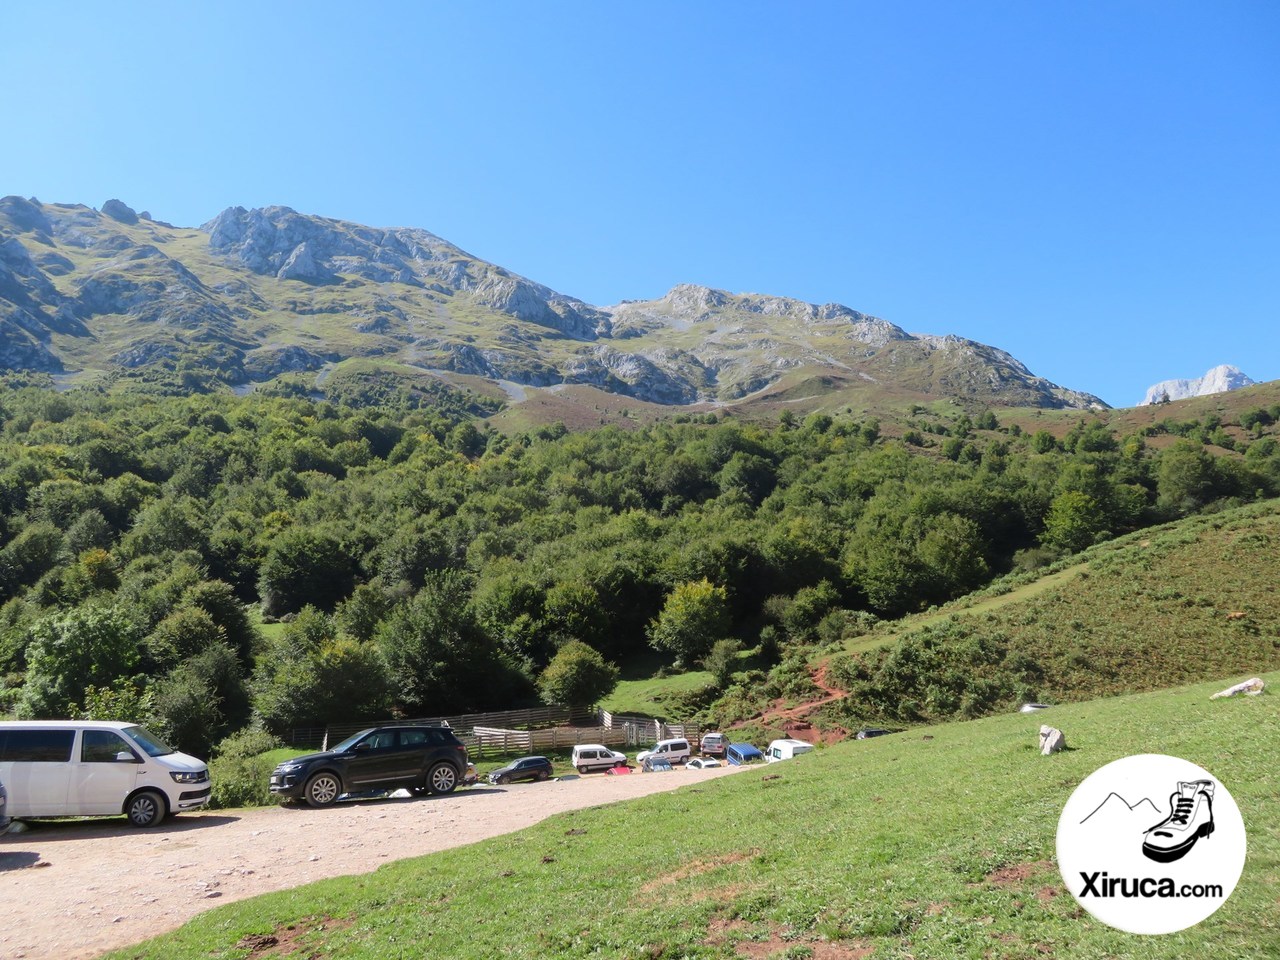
{"points": [[1220, 379], [119, 211], [25, 215]]}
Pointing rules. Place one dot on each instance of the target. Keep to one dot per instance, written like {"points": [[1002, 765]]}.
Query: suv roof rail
{"points": [[415, 723]]}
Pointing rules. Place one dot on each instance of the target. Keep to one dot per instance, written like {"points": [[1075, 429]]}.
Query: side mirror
{"points": [[124, 756], [362, 746]]}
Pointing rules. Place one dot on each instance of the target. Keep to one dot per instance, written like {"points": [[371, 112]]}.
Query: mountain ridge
{"points": [[253, 293]]}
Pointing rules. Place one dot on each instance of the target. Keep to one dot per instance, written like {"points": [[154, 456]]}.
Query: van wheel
{"points": [[322, 790], [583, 768], [442, 778], [146, 809]]}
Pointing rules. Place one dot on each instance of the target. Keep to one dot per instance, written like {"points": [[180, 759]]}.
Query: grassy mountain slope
{"points": [[937, 846], [1168, 605], [256, 293]]}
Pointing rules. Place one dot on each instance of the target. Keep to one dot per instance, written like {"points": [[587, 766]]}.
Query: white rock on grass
{"points": [[1250, 688], [1051, 740]]}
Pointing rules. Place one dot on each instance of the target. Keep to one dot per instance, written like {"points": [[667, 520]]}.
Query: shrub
{"points": [[721, 661], [241, 771]]}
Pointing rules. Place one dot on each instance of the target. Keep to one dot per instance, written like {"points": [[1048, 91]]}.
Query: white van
{"points": [[86, 768], [786, 750], [594, 756], [674, 751]]}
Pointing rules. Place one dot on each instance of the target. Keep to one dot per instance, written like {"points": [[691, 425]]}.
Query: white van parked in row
{"points": [[85, 768], [595, 756], [673, 751], [786, 750]]}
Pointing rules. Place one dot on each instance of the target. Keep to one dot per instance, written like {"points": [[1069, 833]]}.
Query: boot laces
{"points": [[1183, 810]]}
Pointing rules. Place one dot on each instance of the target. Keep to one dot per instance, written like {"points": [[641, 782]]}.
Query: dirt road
{"points": [[76, 889]]}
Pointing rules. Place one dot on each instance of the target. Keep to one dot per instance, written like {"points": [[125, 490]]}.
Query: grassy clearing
{"points": [[655, 696], [890, 634], [903, 846]]}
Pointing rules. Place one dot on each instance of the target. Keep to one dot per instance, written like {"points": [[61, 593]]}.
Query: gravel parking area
{"points": [[75, 889]]}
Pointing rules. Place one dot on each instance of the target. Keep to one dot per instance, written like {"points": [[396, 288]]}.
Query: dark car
{"points": [[526, 768], [866, 733], [423, 759]]}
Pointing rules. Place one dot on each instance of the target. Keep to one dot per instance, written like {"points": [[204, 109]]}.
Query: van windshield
{"points": [[150, 743]]}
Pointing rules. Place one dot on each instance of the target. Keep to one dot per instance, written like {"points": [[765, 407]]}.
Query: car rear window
{"points": [[430, 736], [36, 746]]}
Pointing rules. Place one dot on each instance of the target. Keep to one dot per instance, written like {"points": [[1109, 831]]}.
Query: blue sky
{"points": [[1090, 186]]}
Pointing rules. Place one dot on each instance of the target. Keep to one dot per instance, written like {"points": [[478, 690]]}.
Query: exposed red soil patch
{"points": [[1018, 873], [284, 941], [794, 722], [721, 932], [697, 867]]}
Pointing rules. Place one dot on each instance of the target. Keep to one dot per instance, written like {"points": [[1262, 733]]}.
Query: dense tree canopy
{"points": [[431, 565]]}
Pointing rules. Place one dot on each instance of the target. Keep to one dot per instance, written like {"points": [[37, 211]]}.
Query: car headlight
{"points": [[189, 776]]}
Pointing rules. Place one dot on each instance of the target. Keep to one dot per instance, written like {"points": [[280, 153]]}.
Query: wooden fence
{"points": [[321, 738], [504, 732], [641, 730], [495, 741]]}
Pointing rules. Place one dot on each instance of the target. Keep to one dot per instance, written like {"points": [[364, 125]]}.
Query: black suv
{"points": [[424, 759]]}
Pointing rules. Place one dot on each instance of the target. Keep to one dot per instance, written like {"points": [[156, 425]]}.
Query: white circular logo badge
{"points": [[1151, 844]]}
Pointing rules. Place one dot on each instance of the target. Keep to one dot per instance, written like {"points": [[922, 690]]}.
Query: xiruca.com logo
{"points": [[1143, 863]]}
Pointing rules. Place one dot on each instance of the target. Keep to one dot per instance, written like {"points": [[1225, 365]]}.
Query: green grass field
{"points": [[934, 843], [653, 696]]}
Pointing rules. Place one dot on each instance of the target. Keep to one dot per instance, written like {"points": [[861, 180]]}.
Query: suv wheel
{"points": [[322, 790], [442, 778], [146, 809]]}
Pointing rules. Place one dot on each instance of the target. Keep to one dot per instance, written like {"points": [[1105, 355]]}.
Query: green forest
{"points": [[210, 562]]}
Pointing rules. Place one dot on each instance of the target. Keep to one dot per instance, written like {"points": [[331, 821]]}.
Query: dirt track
{"points": [[75, 889]]}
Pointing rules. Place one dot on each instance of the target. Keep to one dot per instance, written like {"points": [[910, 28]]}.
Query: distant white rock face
{"points": [[1218, 380]]}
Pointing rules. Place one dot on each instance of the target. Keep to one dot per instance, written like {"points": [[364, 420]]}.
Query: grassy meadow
{"points": [[934, 843]]}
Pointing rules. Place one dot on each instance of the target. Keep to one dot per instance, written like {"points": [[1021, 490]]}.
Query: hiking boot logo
{"points": [[1190, 818], [1126, 855]]}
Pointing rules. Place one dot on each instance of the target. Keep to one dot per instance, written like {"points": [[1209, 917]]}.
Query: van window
{"points": [[36, 746], [101, 746]]}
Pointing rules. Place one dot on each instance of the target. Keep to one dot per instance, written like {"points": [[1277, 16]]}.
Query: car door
{"points": [[416, 750], [105, 775], [374, 763]]}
